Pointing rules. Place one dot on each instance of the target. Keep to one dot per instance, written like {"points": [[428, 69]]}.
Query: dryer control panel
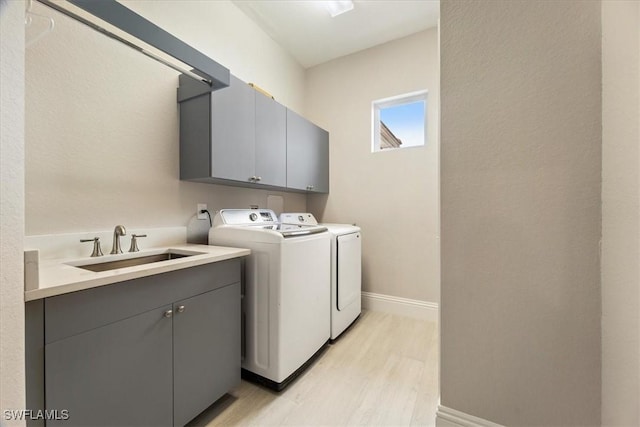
{"points": [[298, 218]]}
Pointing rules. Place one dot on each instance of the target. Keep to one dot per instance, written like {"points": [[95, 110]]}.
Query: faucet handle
{"points": [[96, 246], [134, 242]]}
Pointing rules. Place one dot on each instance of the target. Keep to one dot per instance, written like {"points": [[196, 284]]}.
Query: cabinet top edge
{"points": [[57, 277]]}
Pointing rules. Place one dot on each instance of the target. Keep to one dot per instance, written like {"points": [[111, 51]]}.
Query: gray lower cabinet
{"points": [[119, 374], [151, 351], [307, 155], [206, 350]]}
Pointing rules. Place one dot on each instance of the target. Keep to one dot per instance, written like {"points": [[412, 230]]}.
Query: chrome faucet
{"points": [[117, 232]]}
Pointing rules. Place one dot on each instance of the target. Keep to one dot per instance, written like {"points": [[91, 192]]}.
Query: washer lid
{"points": [[292, 230]]}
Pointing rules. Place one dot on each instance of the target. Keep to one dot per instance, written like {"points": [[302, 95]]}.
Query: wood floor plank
{"points": [[428, 387], [390, 396], [383, 371]]}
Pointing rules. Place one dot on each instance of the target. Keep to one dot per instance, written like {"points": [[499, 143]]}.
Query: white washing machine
{"points": [[346, 270], [286, 319]]}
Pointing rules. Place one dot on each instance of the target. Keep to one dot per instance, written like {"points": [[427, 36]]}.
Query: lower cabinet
{"points": [[206, 350], [119, 374], [109, 359]]}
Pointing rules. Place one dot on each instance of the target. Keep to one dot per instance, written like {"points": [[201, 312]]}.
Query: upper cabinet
{"points": [[238, 136], [271, 141], [233, 135], [233, 132], [307, 155]]}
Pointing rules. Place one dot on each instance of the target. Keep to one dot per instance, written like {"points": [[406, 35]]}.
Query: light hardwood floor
{"points": [[383, 371]]}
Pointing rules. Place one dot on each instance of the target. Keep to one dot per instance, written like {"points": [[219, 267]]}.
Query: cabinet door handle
{"points": [[258, 178], [181, 309], [253, 178], [309, 187], [168, 313]]}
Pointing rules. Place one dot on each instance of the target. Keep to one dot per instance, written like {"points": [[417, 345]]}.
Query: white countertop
{"points": [[59, 276]]}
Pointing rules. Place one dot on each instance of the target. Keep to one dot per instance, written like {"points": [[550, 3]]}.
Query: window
{"points": [[400, 122]]}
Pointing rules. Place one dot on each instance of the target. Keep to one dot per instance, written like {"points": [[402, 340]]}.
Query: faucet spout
{"points": [[117, 232]]}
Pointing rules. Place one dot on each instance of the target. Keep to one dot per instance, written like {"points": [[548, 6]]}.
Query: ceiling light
{"points": [[338, 7]]}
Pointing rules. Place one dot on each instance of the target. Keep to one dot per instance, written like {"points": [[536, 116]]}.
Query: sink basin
{"points": [[130, 262]]}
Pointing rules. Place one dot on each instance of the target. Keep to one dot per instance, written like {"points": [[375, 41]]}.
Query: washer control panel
{"points": [[246, 216]]}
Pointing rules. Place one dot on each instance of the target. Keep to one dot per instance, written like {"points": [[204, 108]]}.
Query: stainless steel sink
{"points": [[122, 263]]}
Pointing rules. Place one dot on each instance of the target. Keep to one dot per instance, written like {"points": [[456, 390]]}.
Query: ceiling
{"points": [[306, 30]]}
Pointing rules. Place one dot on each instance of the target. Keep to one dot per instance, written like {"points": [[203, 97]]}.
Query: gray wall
{"points": [[392, 195], [520, 164], [620, 213], [12, 387]]}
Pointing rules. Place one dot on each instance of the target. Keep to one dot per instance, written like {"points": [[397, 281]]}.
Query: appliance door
{"points": [[349, 274], [301, 303]]}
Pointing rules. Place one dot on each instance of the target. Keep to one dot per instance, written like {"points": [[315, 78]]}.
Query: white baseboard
{"points": [[417, 309], [447, 417]]}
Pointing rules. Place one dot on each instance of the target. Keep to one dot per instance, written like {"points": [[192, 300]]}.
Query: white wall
{"points": [[621, 213], [102, 120], [521, 214], [392, 195], [219, 29], [12, 387]]}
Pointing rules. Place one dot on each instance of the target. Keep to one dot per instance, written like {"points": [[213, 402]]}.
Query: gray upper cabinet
{"points": [[307, 155], [232, 132], [233, 136], [271, 141], [238, 136]]}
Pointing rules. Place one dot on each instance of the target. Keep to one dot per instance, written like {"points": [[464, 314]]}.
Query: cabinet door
{"points": [[206, 350], [118, 374], [307, 155], [271, 141], [233, 131]]}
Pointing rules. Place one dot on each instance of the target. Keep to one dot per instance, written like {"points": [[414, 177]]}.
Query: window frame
{"points": [[397, 100]]}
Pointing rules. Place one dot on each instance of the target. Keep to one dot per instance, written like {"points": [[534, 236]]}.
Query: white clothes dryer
{"points": [[346, 270], [286, 319]]}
